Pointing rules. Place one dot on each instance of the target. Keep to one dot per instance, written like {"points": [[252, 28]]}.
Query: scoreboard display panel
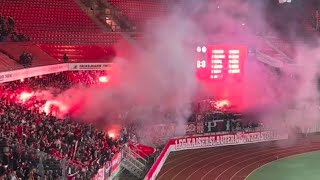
{"points": [[217, 62]]}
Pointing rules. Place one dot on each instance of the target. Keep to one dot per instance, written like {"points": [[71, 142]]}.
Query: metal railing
{"points": [[134, 155]]}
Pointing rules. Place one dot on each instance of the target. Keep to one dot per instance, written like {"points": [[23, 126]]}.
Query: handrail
{"points": [[133, 163], [135, 156], [134, 159], [138, 156]]}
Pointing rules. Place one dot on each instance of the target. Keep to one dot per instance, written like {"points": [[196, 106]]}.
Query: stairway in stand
{"points": [[133, 163]]}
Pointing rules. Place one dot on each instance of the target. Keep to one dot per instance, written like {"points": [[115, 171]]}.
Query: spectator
{"points": [[26, 59], [7, 31], [11, 22], [65, 58]]}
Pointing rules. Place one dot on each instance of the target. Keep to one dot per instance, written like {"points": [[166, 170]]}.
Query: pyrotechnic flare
{"points": [[24, 96]]}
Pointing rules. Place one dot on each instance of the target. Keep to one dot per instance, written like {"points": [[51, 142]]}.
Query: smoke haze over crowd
{"points": [[161, 73]]}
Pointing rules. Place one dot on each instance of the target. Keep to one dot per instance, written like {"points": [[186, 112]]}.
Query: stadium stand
{"points": [[37, 143], [56, 22], [139, 12], [265, 48], [285, 45], [57, 27], [79, 38]]}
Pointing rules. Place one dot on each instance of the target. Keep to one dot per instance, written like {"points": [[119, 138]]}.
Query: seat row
{"points": [[79, 53], [139, 11]]}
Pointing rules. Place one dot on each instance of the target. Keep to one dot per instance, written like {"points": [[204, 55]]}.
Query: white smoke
{"points": [[159, 76], [163, 73], [306, 93]]}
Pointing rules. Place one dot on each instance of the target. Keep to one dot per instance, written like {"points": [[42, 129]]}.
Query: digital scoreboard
{"points": [[216, 62]]}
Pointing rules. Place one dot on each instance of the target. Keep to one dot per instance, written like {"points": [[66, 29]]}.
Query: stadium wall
{"points": [[186, 143], [8, 76]]}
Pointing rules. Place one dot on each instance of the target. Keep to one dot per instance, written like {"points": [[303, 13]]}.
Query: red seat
{"points": [[139, 11]]}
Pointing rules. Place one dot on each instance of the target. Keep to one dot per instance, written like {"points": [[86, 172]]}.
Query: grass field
{"points": [[304, 166]]}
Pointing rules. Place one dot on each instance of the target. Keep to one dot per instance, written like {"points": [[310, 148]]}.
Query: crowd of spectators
{"points": [[8, 31], [208, 110], [82, 147]]}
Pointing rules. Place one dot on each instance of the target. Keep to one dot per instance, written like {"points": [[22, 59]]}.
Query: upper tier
{"points": [[55, 21]]}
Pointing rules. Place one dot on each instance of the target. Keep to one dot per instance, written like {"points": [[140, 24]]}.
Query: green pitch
{"points": [[304, 166]]}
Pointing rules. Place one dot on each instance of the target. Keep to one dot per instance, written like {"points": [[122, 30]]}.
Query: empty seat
{"points": [[139, 11]]}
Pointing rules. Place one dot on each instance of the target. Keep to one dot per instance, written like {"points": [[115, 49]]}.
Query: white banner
{"points": [[88, 66], [8, 76], [227, 139]]}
